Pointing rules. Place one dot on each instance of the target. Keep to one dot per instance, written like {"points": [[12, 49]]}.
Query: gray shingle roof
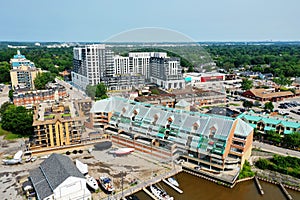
{"points": [[51, 173], [40, 184]]}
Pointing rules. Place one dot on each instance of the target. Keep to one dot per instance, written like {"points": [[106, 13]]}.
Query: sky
{"points": [[98, 20]]}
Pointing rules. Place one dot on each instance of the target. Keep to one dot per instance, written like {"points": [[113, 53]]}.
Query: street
{"points": [[274, 149], [73, 92], [4, 95]]}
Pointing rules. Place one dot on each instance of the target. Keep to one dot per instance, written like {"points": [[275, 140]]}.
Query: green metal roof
{"points": [[252, 125], [160, 135]]}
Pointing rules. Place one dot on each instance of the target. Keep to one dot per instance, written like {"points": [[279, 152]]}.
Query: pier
{"points": [[258, 185], [149, 193], [147, 183], [172, 186], [288, 196]]}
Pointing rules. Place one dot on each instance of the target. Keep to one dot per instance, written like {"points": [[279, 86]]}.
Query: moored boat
{"points": [[160, 193], [91, 182], [173, 181], [106, 184]]}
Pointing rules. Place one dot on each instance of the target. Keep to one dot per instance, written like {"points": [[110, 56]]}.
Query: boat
{"points": [[132, 197], [123, 151], [83, 168], [173, 181], [160, 193], [17, 159], [106, 184], [91, 182]]}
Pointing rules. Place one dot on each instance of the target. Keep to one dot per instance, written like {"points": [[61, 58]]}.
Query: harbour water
{"points": [[197, 188]]}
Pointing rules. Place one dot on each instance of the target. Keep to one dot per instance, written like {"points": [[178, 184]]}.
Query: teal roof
{"points": [[268, 128], [270, 121], [288, 132], [252, 118], [290, 124]]}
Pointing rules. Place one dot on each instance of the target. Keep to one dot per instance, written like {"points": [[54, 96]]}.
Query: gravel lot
{"points": [[135, 167]]}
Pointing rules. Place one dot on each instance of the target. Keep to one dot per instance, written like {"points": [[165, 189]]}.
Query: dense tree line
{"points": [[285, 165], [280, 60], [284, 60], [51, 59], [291, 141], [42, 79]]}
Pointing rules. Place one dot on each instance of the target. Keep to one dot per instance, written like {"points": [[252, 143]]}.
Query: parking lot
{"points": [[289, 108]]}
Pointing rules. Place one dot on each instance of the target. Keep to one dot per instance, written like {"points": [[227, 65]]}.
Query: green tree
{"points": [[90, 90], [246, 84], [11, 95], [292, 140], [4, 72], [42, 79], [273, 136], [262, 163], [246, 171], [269, 106], [17, 120], [247, 104], [4, 106], [282, 80], [101, 91]]}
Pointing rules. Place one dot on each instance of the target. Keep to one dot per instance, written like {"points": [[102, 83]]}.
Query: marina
{"points": [[198, 188], [172, 186]]}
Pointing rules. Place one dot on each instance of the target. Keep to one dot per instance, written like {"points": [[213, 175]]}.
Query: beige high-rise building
{"points": [[56, 125], [23, 76], [23, 72]]}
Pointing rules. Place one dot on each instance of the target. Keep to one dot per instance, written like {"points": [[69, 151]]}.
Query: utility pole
{"points": [[122, 183]]}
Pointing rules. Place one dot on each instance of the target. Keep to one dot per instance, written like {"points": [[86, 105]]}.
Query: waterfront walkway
{"points": [[145, 184]]}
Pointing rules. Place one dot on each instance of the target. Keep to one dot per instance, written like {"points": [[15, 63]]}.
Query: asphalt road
{"points": [[274, 149], [73, 92], [4, 95]]}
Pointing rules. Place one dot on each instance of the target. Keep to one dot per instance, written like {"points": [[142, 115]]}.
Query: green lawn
{"points": [[8, 135]]}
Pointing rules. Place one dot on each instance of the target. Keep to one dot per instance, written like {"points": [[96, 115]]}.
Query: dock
{"points": [[149, 193], [172, 186], [288, 196], [261, 191], [146, 183]]}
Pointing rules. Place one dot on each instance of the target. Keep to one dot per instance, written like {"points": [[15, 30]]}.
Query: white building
{"points": [[95, 63], [140, 62], [58, 178], [91, 63]]}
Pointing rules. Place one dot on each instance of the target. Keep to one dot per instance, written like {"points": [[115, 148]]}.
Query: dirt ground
{"points": [[132, 167]]}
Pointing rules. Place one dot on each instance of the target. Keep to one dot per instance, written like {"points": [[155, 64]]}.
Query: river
{"points": [[197, 188]]}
